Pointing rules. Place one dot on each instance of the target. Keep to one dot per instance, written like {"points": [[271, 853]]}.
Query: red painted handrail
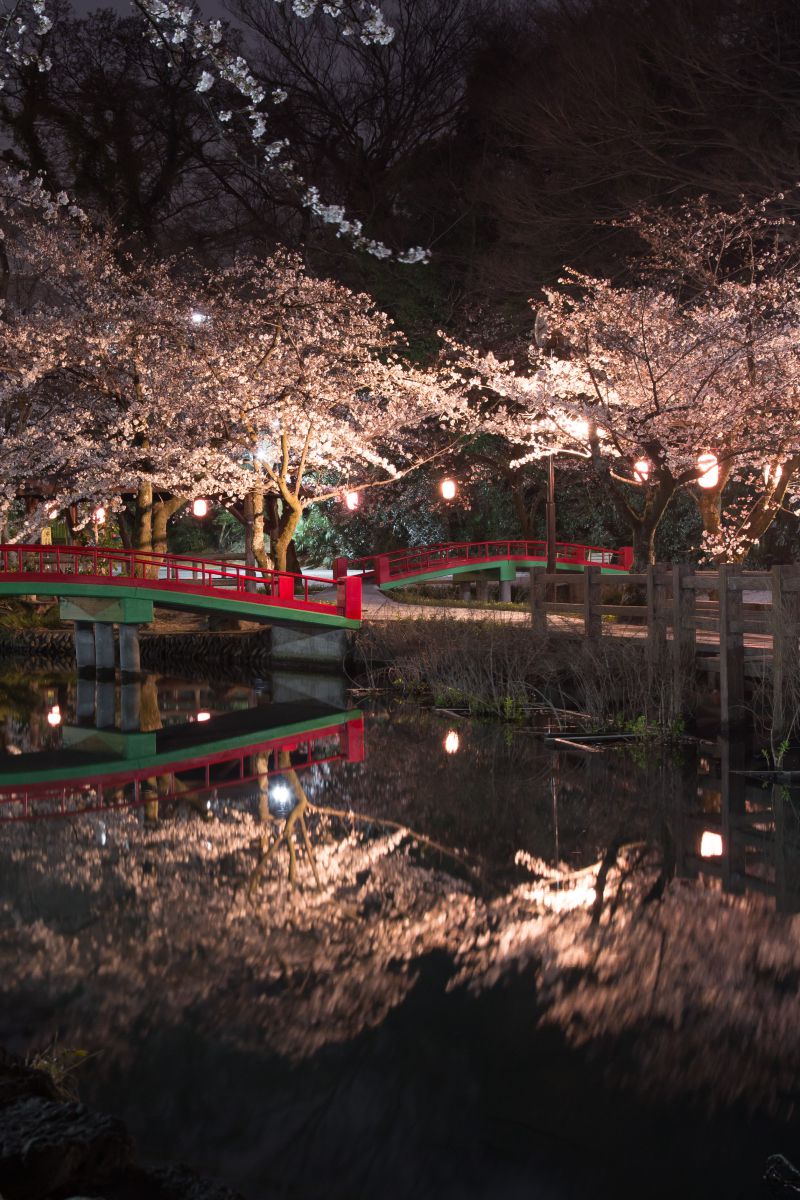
{"points": [[398, 564], [178, 572], [37, 802]]}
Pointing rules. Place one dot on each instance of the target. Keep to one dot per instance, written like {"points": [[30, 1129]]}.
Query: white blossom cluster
{"points": [[173, 24]]}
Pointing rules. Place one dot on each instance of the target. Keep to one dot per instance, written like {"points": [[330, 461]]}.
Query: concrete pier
{"points": [[292, 646], [130, 660], [84, 647], [104, 656], [105, 704]]}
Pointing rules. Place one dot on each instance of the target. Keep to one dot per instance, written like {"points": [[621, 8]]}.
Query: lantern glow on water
{"points": [[711, 844], [451, 742]]}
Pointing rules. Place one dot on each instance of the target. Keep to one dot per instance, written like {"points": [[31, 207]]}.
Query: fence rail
{"points": [[728, 616]]}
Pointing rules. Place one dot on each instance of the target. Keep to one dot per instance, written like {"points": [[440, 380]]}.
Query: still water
{"points": [[318, 952]]}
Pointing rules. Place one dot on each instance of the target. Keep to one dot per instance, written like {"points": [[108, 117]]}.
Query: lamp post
{"points": [[551, 516]]}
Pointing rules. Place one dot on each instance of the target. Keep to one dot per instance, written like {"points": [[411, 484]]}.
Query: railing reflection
{"points": [[739, 830]]}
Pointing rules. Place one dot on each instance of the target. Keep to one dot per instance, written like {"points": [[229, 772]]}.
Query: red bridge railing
{"points": [[114, 790], [178, 572], [399, 564]]}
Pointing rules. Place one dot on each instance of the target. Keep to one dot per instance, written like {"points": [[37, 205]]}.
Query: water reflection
{"points": [[402, 948]]}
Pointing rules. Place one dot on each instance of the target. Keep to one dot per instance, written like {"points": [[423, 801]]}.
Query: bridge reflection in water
{"points": [[203, 760]]}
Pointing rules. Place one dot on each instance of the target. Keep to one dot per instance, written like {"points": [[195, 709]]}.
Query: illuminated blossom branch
{"points": [[123, 376]]}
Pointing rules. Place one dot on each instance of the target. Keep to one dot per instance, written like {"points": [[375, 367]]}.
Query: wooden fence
{"points": [[728, 620]]}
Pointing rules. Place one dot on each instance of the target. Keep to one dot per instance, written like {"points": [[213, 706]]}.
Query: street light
{"points": [[54, 716], [551, 516]]}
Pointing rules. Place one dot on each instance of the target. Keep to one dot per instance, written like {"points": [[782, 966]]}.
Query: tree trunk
{"points": [[162, 511], [290, 519], [260, 553], [143, 520]]}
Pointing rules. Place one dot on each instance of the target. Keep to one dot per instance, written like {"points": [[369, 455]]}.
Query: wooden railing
{"points": [[685, 612]]}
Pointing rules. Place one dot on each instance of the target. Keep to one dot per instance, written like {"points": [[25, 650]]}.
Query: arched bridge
{"points": [[130, 583], [232, 755], [502, 558]]}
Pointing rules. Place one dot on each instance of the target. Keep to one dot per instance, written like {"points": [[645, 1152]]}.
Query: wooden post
{"points": [[732, 785], [731, 650], [684, 636], [592, 598], [656, 617], [785, 612], [779, 648], [537, 601]]}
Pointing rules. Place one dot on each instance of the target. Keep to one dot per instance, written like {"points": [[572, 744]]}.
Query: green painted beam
{"points": [[159, 762], [272, 614]]}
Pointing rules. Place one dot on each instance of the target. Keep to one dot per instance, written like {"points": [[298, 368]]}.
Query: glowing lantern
{"points": [[199, 318], [448, 489], [54, 716], [351, 501], [641, 470], [99, 515], [710, 844], [199, 508], [204, 716], [451, 742], [707, 463]]}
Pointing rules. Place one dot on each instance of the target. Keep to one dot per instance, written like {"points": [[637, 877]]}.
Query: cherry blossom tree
{"points": [[697, 357], [149, 378]]}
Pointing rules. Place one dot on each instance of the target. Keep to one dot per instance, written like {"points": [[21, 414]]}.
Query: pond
{"points": [[318, 952]]}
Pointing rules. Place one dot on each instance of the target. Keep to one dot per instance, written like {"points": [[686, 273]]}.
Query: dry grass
{"points": [[506, 670]]}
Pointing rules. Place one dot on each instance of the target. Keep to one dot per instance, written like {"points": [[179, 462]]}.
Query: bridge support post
{"points": [[84, 703], [482, 590], [106, 693], [104, 646], [130, 706], [508, 575], [84, 647], [465, 591], [130, 660]]}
